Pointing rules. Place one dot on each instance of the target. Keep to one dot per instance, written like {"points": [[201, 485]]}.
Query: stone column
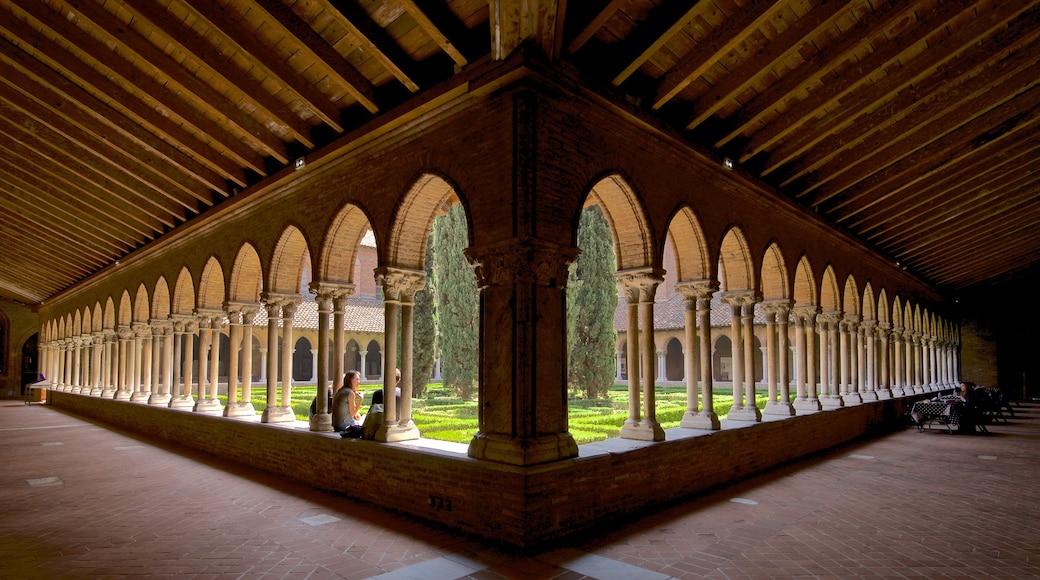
{"points": [[142, 363], [742, 329], [122, 362], [186, 400], [697, 295], [108, 368], [916, 375], [234, 316], [339, 342], [869, 389], [399, 288], [851, 359], [523, 352], [639, 288], [245, 407], [779, 402], [98, 342], [884, 387], [77, 364], [806, 400], [322, 419], [898, 365], [279, 411], [163, 372], [829, 359]]}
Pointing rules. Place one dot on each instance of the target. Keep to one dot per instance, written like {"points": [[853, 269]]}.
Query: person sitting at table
{"points": [[971, 408]]}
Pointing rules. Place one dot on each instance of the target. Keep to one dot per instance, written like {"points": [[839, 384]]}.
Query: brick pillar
{"points": [[523, 352]]}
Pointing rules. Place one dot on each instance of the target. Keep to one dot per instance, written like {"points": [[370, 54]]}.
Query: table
{"points": [[946, 412]]}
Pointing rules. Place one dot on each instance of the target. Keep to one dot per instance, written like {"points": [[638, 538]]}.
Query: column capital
{"points": [[124, 332], [739, 298], [522, 261], [639, 284], [778, 306], [400, 284], [695, 290], [141, 329], [324, 289]]}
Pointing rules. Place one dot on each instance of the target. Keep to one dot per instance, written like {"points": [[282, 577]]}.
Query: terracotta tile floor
{"points": [[81, 501]]}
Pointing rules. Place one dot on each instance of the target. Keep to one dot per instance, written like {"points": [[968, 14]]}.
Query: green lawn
{"points": [[439, 415]]}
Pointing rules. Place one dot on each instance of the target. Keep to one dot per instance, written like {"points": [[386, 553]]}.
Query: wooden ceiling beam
{"points": [[936, 99], [357, 85], [785, 46], [372, 38], [945, 52], [594, 26], [434, 32], [163, 119], [176, 33], [173, 77], [808, 78], [687, 69], [885, 56]]}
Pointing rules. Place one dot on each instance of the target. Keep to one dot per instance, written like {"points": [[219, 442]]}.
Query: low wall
{"points": [[522, 506]]}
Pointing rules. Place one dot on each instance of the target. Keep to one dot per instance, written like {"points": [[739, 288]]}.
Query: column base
{"points": [[75, 390], [898, 392], [278, 415], [807, 404], [778, 408], [869, 396], [209, 407], [244, 410], [320, 422], [851, 399], [108, 393], [182, 402], [701, 420], [139, 397], [828, 402], [532, 451], [918, 390], [392, 433], [748, 413], [645, 430], [97, 392], [159, 399], [123, 395]]}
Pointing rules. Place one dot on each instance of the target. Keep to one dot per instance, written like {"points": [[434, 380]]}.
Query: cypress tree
{"points": [[457, 303], [424, 328], [591, 301]]}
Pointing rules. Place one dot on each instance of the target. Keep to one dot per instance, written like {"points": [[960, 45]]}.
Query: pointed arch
{"points": [[77, 324], [183, 294], [110, 314], [736, 270], [692, 256], [850, 298], [126, 311], [87, 323], [830, 298], [247, 276], [211, 285], [804, 287], [633, 239], [98, 318], [339, 249], [774, 274], [161, 299], [141, 308], [430, 196], [291, 257], [882, 307]]}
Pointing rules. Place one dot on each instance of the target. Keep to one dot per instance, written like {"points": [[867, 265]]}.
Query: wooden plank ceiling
{"points": [[911, 125]]}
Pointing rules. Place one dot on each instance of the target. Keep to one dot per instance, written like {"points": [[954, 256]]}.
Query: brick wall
{"points": [[524, 506]]}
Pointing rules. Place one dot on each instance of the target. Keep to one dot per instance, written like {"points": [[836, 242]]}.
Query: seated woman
{"points": [[346, 405]]}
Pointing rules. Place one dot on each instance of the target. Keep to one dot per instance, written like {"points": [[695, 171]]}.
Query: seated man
{"points": [[374, 420]]}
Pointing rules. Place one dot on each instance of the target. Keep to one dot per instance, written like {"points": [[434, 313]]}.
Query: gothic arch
{"points": [[339, 249], [774, 274], [804, 288], [829, 294], [77, 324], [161, 299], [247, 276], [110, 314], [141, 307], [97, 319], [882, 307], [184, 294], [736, 270], [126, 311], [850, 299], [291, 257], [868, 303], [211, 285], [633, 239], [897, 313], [692, 258], [428, 197]]}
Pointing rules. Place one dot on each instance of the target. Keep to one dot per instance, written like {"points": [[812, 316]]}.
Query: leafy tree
{"points": [[457, 303], [424, 328], [591, 301]]}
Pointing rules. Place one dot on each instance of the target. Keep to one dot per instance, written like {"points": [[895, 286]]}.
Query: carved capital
{"points": [[639, 284], [780, 307], [522, 261], [739, 298], [697, 291], [400, 284], [805, 314]]}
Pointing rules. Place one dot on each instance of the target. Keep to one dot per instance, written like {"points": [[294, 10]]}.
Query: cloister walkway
{"points": [[80, 500]]}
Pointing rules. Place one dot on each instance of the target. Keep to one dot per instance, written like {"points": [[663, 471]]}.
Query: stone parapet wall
{"points": [[522, 506]]}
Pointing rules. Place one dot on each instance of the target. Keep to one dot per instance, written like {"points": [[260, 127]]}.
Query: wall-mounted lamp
{"points": [[727, 163], [300, 163]]}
